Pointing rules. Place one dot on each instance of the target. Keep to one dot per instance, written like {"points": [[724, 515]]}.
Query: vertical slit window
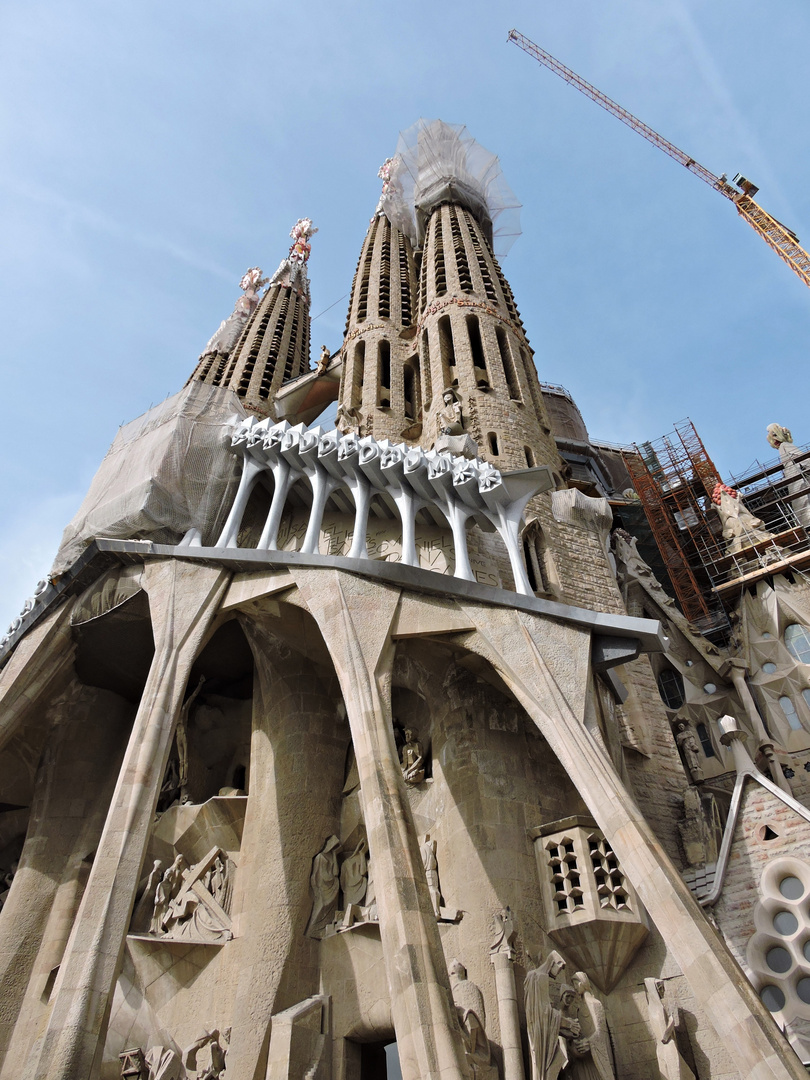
{"points": [[477, 350], [385, 374], [460, 252], [362, 300], [384, 300], [288, 366], [439, 271], [357, 380], [492, 442], [355, 282], [483, 267], [508, 364], [789, 709], [409, 386], [705, 740], [448, 353], [427, 393], [404, 280], [530, 462]]}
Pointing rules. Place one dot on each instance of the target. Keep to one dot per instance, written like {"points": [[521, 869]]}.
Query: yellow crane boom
{"points": [[783, 241]]}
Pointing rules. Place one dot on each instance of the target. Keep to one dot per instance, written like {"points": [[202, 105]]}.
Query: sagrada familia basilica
{"points": [[439, 734]]}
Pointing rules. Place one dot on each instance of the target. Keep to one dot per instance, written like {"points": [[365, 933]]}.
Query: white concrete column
{"points": [[183, 600]]}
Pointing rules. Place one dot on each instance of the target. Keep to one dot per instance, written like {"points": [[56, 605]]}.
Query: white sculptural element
{"points": [[547, 1030], [412, 759], [229, 329], [689, 748], [591, 1056], [325, 884], [469, 1002], [292, 271], [431, 866], [740, 527], [781, 439], [323, 360], [664, 1025]]}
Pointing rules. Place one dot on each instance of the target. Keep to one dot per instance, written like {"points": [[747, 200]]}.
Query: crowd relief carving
{"points": [[453, 488], [192, 903], [343, 893], [203, 1060]]}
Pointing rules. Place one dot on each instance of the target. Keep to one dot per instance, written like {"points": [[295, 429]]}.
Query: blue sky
{"points": [[151, 152]]}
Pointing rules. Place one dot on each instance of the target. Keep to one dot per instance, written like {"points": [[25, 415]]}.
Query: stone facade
{"points": [[377, 769]]}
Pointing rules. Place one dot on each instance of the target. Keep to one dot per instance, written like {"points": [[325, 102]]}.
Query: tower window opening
{"points": [[447, 351], [508, 365], [384, 304], [460, 252], [670, 687], [492, 442], [486, 276], [288, 367], [529, 455], [797, 640], [357, 379], [535, 556], [204, 370], [439, 270], [477, 350], [404, 281], [355, 281], [409, 386], [789, 709], [384, 354], [223, 363], [705, 740], [427, 392]]}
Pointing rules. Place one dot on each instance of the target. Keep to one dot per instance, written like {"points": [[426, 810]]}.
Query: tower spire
{"points": [[265, 341]]}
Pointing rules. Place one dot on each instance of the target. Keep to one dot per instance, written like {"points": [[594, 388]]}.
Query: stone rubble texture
{"points": [[556, 801]]}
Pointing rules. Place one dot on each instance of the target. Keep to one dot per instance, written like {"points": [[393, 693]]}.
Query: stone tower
{"points": [[264, 343], [381, 382], [303, 762]]}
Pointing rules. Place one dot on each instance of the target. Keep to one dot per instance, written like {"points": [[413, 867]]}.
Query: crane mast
{"points": [[783, 241]]}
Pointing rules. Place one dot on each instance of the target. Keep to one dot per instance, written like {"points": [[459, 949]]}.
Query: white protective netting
{"points": [[169, 471], [437, 162]]}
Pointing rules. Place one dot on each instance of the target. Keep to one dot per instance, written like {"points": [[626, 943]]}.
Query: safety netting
{"points": [[165, 473], [437, 162]]}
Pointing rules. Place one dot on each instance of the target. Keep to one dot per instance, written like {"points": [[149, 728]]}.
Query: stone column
{"points": [[502, 957], [355, 616], [183, 599], [736, 669], [545, 666]]}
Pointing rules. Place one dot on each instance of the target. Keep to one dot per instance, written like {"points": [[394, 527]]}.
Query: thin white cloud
{"points": [[92, 219]]}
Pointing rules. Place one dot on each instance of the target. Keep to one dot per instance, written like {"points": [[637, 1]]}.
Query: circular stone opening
{"points": [[803, 990], [772, 998], [769, 668], [791, 888], [778, 960], [785, 923], [709, 688]]}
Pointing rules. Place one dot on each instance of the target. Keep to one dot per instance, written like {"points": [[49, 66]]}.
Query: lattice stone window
{"points": [[591, 909], [562, 862], [606, 873]]}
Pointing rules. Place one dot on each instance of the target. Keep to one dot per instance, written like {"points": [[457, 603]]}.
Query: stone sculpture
{"points": [[412, 759], [431, 866], [160, 1063], [348, 419], [547, 1028], [664, 1024], [325, 884], [207, 1053], [632, 566], [591, 1057], [292, 270], [740, 528], [449, 420], [781, 439], [133, 1064], [353, 876], [690, 750], [323, 360], [229, 329], [469, 1002], [167, 889], [193, 903]]}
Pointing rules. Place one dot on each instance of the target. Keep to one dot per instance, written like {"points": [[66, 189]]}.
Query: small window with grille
{"points": [[670, 687]]}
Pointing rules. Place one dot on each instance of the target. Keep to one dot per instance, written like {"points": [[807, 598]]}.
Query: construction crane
{"points": [[783, 241]]}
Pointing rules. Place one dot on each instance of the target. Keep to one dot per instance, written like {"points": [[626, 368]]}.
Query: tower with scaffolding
{"points": [[675, 480]]}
